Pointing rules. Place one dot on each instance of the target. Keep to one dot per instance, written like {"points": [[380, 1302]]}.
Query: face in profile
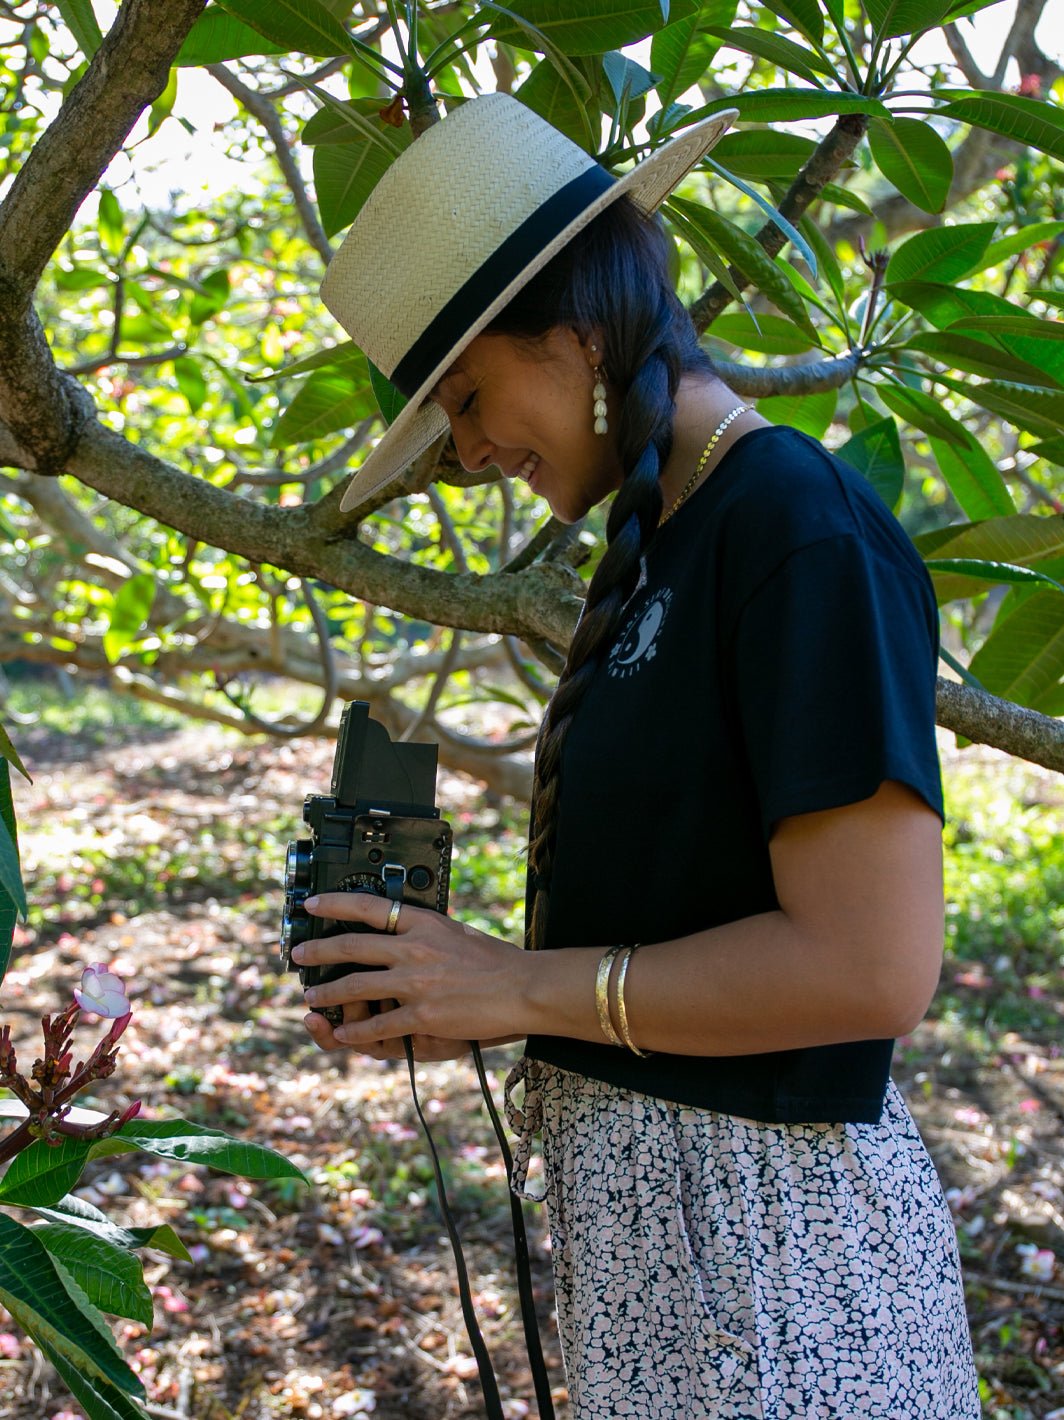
{"points": [[528, 409]]}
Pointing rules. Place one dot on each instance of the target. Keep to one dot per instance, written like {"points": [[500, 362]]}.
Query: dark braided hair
{"points": [[613, 276]]}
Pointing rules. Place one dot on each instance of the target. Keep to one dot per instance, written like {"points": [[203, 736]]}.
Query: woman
{"points": [[737, 770]]}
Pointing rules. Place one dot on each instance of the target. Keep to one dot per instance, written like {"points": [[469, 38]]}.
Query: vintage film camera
{"points": [[378, 830]]}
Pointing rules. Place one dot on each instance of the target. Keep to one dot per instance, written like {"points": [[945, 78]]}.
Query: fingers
{"points": [[364, 907]]}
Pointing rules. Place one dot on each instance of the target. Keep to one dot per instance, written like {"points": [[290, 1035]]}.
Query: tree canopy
{"points": [[873, 253]]}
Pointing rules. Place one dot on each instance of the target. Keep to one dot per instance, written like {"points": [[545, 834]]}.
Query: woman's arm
{"points": [[852, 953]]}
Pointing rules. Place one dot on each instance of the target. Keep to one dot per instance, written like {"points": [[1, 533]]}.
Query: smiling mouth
{"points": [[528, 468]]}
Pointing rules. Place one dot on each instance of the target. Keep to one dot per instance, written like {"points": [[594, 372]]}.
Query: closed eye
{"points": [[467, 404]]}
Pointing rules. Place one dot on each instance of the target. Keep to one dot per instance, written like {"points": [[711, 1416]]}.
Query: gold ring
{"points": [[393, 917]]}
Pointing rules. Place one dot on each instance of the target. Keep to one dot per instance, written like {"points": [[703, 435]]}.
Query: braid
{"points": [[614, 276], [644, 442]]}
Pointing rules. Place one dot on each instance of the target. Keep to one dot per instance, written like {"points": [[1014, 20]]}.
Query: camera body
{"points": [[378, 830]]}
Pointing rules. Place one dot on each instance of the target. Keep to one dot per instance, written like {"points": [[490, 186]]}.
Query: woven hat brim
{"points": [[421, 422]]}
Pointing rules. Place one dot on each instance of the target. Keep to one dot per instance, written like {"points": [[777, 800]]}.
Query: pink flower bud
{"points": [[101, 991], [130, 1112]]}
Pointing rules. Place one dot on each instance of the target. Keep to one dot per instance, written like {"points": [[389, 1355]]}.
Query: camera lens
{"points": [[297, 864]]}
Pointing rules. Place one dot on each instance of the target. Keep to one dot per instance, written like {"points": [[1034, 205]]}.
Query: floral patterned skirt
{"points": [[710, 1266]]}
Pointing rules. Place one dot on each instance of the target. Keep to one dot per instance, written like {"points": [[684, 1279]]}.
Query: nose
{"points": [[475, 451]]}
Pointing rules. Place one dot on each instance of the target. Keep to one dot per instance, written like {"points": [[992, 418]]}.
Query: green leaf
{"points": [[389, 400], [345, 121], [776, 49], [163, 106], [911, 155], [212, 294], [344, 176], [805, 16], [876, 452], [762, 153], [783, 105], [44, 1174], [81, 278], [827, 261], [839, 197], [550, 94], [811, 413], [195, 1144], [976, 357], [1020, 335], [326, 403], [343, 358], [891, 18], [111, 1277], [941, 254], [626, 78], [217, 36], [681, 52], [1023, 240], [10, 872], [992, 571], [774, 215], [301, 26], [111, 222], [1024, 540], [10, 753], [767, 334], [580, 27], [1037, 409], [973, 478], [38, 1294], [1034, 122], [73, 1211], [1023, 657], [1030, 327], [9, 905], [129, 611], [925, 413], [99, 1399], [1051, 298], [191, 382], [745, 253], [82, 23]]}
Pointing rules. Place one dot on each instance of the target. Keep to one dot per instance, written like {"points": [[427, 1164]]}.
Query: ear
{"points": [[589, 346]]}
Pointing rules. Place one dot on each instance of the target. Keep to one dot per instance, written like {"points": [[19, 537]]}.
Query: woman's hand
{"points": [[438, 981]]}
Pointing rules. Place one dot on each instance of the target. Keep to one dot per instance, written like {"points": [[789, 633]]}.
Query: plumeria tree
{"points": [[68, 1264], [872, 254]]}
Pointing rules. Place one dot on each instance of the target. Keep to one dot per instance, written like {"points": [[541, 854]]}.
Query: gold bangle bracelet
{"points": [[602, 998], [622, 1014]]}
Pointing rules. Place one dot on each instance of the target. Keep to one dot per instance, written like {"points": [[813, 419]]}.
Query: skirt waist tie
{"points": [[525, 1120]]}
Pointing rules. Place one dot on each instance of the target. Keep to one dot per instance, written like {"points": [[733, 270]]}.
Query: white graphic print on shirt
{"points": [[636, 644]]}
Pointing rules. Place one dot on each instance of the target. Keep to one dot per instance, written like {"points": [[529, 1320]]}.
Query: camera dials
{"points": [[378, 831]]}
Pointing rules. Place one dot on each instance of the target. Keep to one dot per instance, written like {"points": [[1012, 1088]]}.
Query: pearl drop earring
{"points": [[598, 394]]}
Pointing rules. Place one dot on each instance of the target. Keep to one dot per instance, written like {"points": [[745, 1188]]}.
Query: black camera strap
{"points": [[533, 1345]]}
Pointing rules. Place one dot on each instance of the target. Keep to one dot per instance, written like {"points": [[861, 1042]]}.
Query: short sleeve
{"points": [[834, 659]]}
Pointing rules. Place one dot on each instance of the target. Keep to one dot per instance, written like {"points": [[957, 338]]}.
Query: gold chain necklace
{"points": [[714, 440]]}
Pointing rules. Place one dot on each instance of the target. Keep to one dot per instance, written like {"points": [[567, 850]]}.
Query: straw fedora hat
{"points": [[461, 220]]}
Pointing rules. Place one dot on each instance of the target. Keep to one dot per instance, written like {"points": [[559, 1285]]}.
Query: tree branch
{"points": [[755, 382], [988, 720], [43, 412], [261, 108], [312, 541], [963, 57], [824, 165], [129, 71]]}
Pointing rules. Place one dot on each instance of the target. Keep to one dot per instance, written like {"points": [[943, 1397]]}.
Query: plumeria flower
{"points": [[103, 992], [1038, 1262]]}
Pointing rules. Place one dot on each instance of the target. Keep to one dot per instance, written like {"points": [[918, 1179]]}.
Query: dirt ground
{"points": [[160, 853]]}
